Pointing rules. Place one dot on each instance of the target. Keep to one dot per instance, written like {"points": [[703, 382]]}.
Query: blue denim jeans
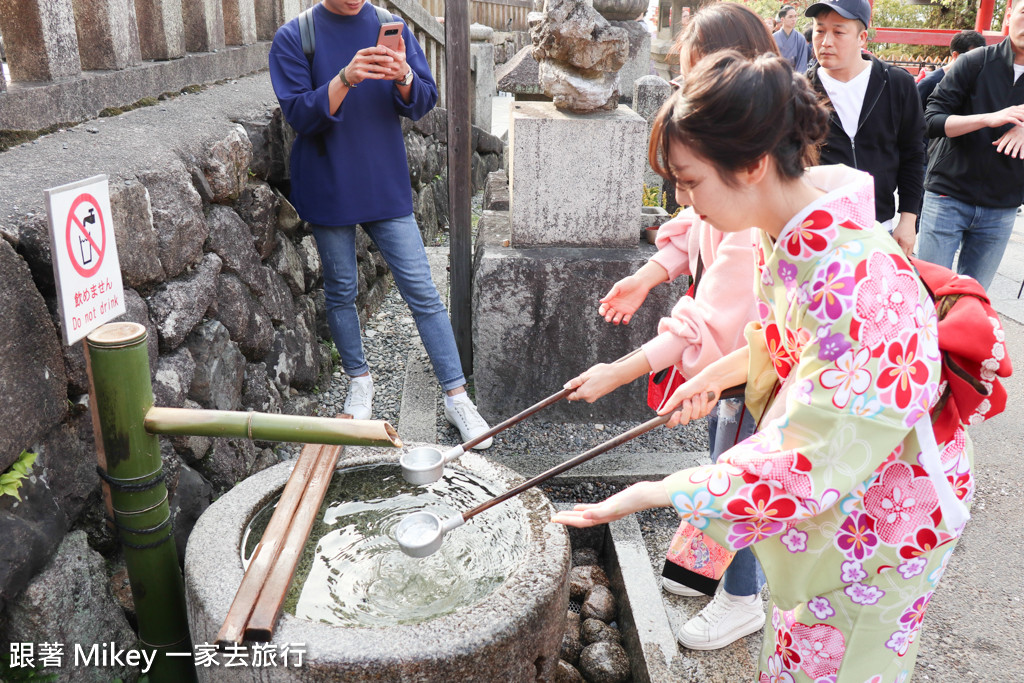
{"points": [[401, 246], [728, 424], [979, 232]]}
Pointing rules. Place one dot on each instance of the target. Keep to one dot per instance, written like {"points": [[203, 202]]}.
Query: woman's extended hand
{"points": [[597, 381], [641, 496], [623, 300], [696, 397]]}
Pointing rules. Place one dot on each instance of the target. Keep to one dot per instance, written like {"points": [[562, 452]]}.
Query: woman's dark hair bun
{"points": [[733, 110]]}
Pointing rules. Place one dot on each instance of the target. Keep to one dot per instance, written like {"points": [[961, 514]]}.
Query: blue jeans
{"points": [[979, 232], [725, 429], [401, 246]]}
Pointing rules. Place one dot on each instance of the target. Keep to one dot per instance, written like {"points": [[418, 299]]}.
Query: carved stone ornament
{"points": [[580, 54]]}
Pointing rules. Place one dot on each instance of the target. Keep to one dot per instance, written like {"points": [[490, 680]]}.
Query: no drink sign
{"points": [[85, 264]]}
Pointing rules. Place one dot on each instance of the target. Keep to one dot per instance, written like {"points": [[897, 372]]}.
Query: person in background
{"points": [[962, 43], [791, 42], [349, 168], [830, 492], [876, 123], [808, 35], [701, 329], [975, 179]]}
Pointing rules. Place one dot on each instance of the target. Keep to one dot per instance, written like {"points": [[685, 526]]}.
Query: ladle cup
{"points": [[425, 464], [421, 533]]}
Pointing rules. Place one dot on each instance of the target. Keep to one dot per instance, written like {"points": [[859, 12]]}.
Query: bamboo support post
{"points": [[269, 548], [120, 374], [268, 606], [270, 427]]}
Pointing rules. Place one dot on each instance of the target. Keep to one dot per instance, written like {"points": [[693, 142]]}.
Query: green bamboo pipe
{"points": [[270, 427], [120, 374]]}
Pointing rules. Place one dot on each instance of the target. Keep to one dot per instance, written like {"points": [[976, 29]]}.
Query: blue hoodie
{"points": [[364, 176]]}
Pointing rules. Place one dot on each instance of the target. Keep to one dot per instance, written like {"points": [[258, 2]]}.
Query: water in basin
{"points": [[352, 572]]}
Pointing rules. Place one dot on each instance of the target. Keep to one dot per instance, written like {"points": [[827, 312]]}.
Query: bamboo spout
{"points": [[271, 427]]}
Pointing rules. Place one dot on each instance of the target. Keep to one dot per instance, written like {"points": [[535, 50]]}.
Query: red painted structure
{"points": [[942, 36]]}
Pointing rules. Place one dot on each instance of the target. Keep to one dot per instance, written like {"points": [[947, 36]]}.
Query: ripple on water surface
{"points": [[352, 572]]}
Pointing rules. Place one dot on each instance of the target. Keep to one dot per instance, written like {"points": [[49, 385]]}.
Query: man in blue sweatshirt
{"points": [[349, 167]]}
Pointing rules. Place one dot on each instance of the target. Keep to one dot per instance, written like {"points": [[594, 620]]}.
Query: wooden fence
{"points": [[501, 15]]}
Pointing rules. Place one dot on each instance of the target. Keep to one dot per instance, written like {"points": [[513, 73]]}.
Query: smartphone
{"points": [[390, 34]]}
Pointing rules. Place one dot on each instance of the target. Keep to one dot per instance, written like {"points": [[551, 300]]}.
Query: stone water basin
{"points": [[489, 606]]}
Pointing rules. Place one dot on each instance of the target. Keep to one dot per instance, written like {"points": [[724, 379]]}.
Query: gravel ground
{"points": [[390, 336]]}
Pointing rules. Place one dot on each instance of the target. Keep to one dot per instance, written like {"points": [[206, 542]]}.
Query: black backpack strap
{"points": [[307, 34]]}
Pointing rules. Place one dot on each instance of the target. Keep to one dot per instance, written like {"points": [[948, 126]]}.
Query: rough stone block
{"points": [[496, 191], [638, 64], [481, 56], [239, 22], [137, 240], [108, 37], [227, 166], [649, 94], [177, 217], [33, 387], [266, 16], [70, 602], [219, 367], [535, 326], [575, 180], [204, 25], [40, 40], [181, 303], [161, 28], [520, 75]]}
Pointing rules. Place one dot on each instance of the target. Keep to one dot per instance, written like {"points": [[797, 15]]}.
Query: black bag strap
{"points": [[698, 272]]}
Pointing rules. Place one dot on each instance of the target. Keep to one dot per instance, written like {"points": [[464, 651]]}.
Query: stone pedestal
{"points": [[535, 323], [239, 22], [39, 39], [204, 25], [161, 29], [575, 179]]}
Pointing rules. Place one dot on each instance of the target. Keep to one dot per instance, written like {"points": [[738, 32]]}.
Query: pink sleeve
{"points": [[675, 242], [702, 330]]}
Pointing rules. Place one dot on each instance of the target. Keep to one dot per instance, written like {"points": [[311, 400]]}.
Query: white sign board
{"points": [[85, 264]]}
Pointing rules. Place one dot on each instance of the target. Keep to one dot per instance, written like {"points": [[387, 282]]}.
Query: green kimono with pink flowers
{"points": [[830, 491]]}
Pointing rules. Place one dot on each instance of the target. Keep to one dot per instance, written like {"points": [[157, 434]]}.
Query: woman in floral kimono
{"points": [[852, 530]]}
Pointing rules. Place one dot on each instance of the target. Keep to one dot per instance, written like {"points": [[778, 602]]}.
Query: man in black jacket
{"points": [[876, 123], [975, 179]]}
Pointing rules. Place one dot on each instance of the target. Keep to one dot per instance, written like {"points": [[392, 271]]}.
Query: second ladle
{"points": [[425, 464]]}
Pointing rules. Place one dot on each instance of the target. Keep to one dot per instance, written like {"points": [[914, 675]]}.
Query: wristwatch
{"points": [[406, 80], [344, 78]]}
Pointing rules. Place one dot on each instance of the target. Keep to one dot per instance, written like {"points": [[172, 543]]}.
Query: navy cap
{"points": [[850, 9]]}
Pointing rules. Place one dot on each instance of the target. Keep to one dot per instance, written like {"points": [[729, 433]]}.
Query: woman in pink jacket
{"points": [[701, 329]]}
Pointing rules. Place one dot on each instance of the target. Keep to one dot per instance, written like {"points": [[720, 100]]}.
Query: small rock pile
{"points": [[592, 645]]}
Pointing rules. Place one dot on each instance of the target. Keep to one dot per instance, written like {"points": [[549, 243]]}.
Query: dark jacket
{"points": [[888, 142], [968, 167]]}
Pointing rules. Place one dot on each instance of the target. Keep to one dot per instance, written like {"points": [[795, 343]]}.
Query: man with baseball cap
{"points": [[876, 123]]}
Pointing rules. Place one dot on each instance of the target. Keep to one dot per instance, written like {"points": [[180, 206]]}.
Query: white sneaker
{"points": [[463, 415], [359, 401], [677, 588], [724, 620]]}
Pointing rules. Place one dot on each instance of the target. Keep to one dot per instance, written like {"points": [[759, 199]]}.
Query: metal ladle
{"points": [[425, 464], [420, 534]]}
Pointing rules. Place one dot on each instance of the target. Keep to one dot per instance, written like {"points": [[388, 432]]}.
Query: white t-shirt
{"points": [[1018, 69], [847, 97]]}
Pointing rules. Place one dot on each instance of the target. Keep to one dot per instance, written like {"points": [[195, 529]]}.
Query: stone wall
{"points": [[221, 271]]}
